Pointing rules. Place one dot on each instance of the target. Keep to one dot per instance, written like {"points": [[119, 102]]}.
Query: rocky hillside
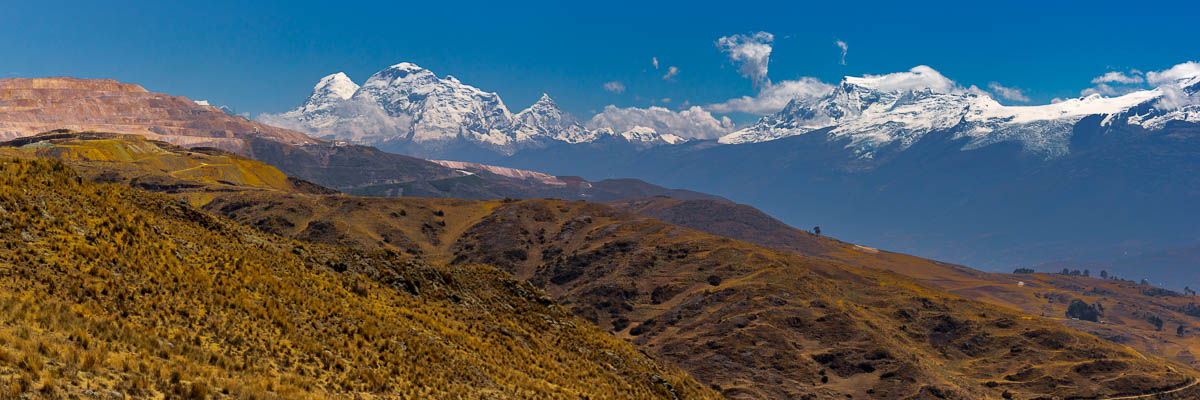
{"points": [[32, 106], [109, 291]]}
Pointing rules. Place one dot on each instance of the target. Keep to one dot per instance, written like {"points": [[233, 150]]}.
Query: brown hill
{"points": [[755, 322], [32, 106], [366, 171], [108, 291], [1128, 309]]}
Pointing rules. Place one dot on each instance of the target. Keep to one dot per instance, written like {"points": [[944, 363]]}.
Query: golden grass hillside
{"points": [[1127, 311], [108, 291], [754, 322]]}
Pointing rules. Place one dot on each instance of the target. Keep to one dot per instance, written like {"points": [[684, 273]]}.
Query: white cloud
{"points": [[614, 86], [671, 72], [654, 60], [773, 97], [842, 45], [665, 100], [751, 53], [692, 122], [1132, 78], [354, 119], [1105, 89], [1175, 98], [1008, 93], [1186, 73], [919, 77]]}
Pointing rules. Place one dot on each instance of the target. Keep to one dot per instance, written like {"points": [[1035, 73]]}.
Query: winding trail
{"points": [[1153, 395]]}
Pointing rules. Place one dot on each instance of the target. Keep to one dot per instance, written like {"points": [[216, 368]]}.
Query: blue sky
{"points": [[265, 57]]}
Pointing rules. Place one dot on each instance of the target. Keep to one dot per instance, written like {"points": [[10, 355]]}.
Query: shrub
{"points": [[1081, 310]]}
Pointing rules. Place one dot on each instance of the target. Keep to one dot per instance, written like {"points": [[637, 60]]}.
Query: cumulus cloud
{"points": [[671, 72], [614, 86], [356, 119], [1008, 93], [1132, 78], [751, 53], [842, 45], [1105, 89], [773, 97], [919, 77], [692, 122], [654, 60], [1186, 71]]}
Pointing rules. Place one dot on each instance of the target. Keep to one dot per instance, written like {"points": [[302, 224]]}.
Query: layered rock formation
{"points": [[32, 106]]}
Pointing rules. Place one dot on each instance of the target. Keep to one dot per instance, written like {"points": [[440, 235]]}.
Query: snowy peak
{"points": [[401, 71], [641, 136], [544, 121], [919, 78], [410, 108], [437, 109], [336, 86], [329, 90], [875, 111]]}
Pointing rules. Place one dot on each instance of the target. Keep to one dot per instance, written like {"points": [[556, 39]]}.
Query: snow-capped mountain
{"points": [[545, 120], [899, 109], [440, 109], [640, 135], [410, 109], [327, 94]]}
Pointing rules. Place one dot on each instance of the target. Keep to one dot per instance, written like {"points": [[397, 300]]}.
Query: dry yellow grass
{"points": [[108, 289], [752, 321]]}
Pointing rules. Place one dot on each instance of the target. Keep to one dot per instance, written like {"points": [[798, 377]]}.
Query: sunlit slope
{"points": [[758, 323], [1129, 309], [107, 289], [154, 165], [755, 322]]}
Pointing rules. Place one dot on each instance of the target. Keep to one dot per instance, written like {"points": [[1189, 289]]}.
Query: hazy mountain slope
{"points": [[1120, 190], [108, 289], [915, 162]]}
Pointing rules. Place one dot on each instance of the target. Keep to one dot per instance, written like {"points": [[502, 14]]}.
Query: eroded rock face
{"points": [[32, 106]]}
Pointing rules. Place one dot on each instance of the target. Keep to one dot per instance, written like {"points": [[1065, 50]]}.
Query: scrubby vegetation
{"points": [[1082, 310], [750, 321], [108, 291]]}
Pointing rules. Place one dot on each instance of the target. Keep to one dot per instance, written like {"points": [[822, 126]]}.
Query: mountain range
{"points": [[910, 161], [32, 106], [410, 110], [740, 303]]}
